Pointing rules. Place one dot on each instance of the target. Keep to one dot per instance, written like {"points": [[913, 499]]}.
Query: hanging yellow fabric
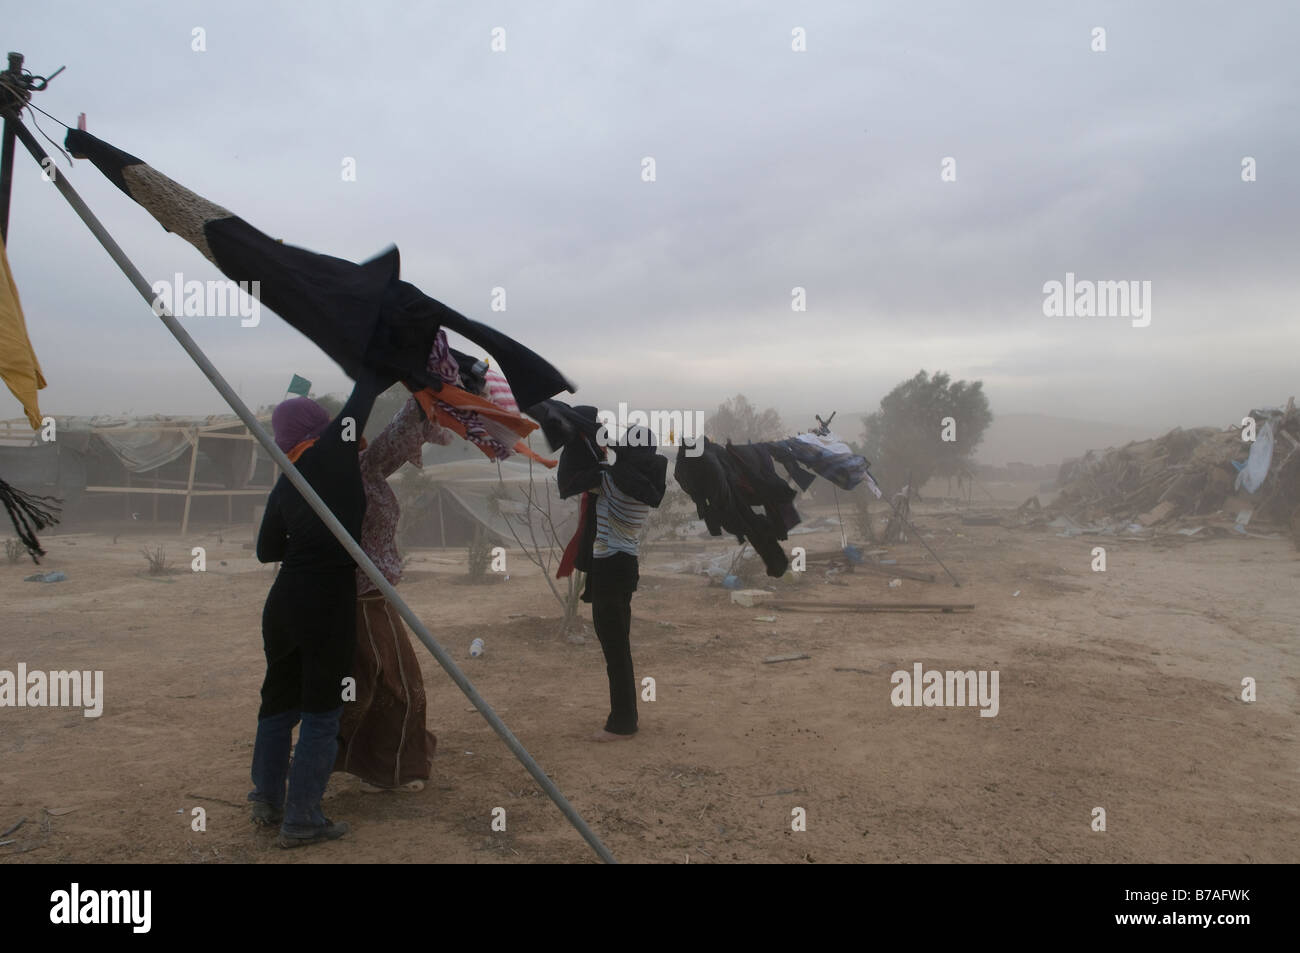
{"points": [[18, 366]]}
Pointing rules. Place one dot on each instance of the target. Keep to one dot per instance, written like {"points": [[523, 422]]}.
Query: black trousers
{"points": [[610, 585], [309, 632]]}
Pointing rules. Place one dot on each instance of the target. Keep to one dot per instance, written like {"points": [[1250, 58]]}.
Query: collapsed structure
{"points": [[1244, 474]]}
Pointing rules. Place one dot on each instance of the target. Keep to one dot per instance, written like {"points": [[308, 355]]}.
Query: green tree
{"points": [[904, 439], [739, 421]]}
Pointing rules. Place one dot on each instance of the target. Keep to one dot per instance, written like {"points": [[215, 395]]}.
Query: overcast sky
{"points": [[774, 169]]}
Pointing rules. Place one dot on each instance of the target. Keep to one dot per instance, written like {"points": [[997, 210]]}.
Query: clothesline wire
{"points": [[62, 151], [31, 105], [22, 101]]}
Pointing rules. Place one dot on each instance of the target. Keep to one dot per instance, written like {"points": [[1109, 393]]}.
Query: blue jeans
{"points": [[313, 761]]}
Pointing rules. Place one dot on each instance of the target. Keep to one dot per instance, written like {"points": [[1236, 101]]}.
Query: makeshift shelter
{"points": [[174, 460], [444, 504]]}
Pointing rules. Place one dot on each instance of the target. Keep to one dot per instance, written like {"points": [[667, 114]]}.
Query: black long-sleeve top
{"points": [[291, 532]]}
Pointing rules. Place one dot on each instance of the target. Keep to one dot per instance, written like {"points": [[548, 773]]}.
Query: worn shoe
{"points": [[331, 831], [267, 815]]}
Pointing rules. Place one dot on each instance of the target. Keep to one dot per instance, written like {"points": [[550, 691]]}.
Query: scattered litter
{"points": [[1014, 594], [749, 598], [21, 822], [784, 658], [55, 576], [731, 582], [845, 668], [765, 618], [59, 811], [895, 583]]}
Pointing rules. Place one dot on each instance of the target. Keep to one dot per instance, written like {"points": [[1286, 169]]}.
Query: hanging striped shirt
{"points": [[619, 518]]}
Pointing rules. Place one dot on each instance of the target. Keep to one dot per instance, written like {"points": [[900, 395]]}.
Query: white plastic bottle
{"points": [[476, 648]]}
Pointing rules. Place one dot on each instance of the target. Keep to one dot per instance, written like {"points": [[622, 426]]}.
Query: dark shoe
{"points": [[331, 831], [267, 815]]}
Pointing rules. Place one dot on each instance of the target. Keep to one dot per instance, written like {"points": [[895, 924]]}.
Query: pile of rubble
{"points": [[1203, 475]]}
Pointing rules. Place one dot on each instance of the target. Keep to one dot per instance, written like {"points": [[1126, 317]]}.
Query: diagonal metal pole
{"points": [[917, 533], [356, 552]]}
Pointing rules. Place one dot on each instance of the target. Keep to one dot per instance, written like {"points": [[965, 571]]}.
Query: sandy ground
{"points": [[1118, 690]]}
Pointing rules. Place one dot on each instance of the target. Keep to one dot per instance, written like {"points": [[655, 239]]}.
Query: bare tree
{"points": [[740, 421], [534, 531]]}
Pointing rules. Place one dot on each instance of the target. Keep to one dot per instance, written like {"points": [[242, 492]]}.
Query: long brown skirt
{"points": [[382, 738]]}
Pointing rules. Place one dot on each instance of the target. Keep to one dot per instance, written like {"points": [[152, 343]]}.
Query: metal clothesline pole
{"points": [[917, 533], [355, 551]]}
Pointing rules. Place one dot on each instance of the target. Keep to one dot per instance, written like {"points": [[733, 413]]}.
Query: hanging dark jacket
{"points": [[761, 486], [358, 314], [638, 468], [715, 481], [639, 471]]}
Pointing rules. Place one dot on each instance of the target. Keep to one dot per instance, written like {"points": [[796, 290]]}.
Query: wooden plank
{"points": [[189, 489], [784, 658], [875, 606]]}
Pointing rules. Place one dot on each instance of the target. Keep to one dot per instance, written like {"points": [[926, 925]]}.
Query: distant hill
{"points": [[1040, 439]]}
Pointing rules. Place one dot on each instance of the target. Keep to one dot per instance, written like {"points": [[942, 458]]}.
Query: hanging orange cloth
{"points": [[464, 400], [528, 452], [18, 366], [435, 406]]}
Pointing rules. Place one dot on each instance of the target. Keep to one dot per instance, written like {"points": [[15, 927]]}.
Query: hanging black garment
{"points": [[29, 513], [360, 315], [638, 469], [715, 482], [760, 486]]}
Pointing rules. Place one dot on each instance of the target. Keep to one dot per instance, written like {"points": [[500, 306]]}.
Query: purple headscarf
{"points": [[296, 420]]}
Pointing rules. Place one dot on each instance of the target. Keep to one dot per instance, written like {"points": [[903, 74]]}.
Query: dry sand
{"points": [[1118, 690]]}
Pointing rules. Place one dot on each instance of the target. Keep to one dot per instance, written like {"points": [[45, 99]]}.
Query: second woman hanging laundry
{"points": [[620, 478]]}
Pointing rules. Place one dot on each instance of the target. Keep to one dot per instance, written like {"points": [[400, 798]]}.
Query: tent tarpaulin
{"points": [[142, 444], [479, 493]]}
